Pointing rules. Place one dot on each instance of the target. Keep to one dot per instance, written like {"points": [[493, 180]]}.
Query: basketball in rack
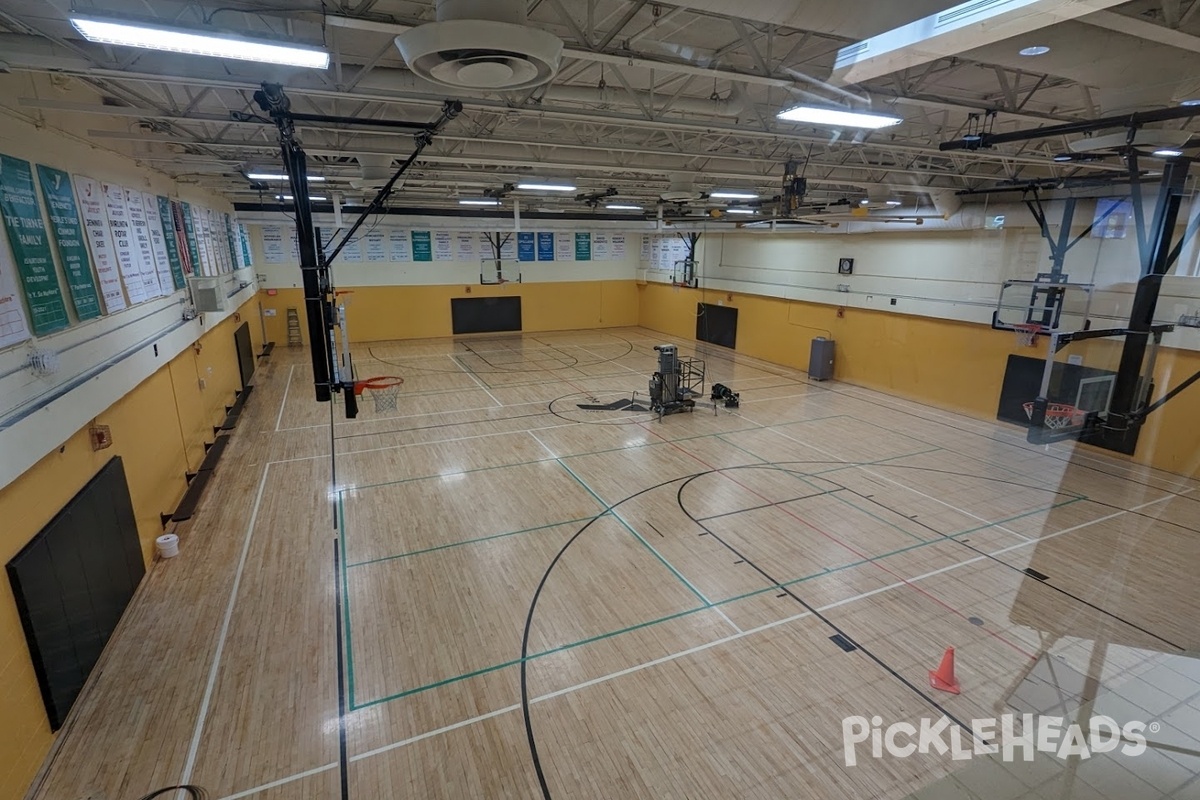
{"points": [[385, 391]]}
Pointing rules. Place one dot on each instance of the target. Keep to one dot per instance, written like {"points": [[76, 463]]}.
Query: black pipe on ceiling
{"points": [[1132, 121]]}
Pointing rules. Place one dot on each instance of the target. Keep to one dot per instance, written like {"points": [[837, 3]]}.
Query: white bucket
{"points": [[168, 545]]}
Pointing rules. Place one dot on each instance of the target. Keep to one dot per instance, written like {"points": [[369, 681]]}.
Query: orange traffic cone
{"points": [[943, 678]]}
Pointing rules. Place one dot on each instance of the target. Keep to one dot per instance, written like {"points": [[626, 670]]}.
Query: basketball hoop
{"points": [[1059, 416], [1027, 333], [385, 391]]}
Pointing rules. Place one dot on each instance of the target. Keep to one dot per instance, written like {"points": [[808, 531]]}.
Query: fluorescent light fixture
{"points": [[545, 187], [621, 207], [316, 198], [1166, 152], [740, 211], [266, 176], [1035, 50], [1190, 103], [729, 195], [866, 203], [843, 117], [1064, 157], [479, 202], [131, 32]]}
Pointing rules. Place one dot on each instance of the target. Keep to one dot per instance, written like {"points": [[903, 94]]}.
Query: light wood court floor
{"points": [[715, 593]]}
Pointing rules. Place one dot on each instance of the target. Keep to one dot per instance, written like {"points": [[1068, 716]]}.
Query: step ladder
{"points": [[293, 328]]}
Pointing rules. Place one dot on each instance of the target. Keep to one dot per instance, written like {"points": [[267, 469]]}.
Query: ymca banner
{"points": [[30, 247], [69, 240]]}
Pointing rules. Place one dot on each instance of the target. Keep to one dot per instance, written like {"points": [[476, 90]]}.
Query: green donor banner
{"points": [[27, 235], [68, 238]]}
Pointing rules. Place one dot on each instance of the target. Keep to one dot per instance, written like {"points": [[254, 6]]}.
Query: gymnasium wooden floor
{"points": [[691, 577]]}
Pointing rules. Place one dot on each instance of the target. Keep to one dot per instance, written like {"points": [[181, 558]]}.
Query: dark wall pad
{"points": [[485, 314], [716, 325], [245, 353], [72, 583]]}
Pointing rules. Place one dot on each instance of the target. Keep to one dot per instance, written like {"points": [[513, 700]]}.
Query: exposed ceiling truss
{"points": [[646, 92]]}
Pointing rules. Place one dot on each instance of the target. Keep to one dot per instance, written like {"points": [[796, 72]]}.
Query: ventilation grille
{"points": [[959, 14]]}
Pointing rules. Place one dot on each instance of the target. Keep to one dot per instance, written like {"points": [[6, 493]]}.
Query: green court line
{"points": [[418, 478], [527, 463], [804, 479], [545, 460], [706, 607], [465, 542], [841, 499], [610, 510], [346, 598]]}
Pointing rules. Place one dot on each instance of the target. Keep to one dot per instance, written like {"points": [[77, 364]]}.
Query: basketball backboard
{"points": [[495, 271], [1077, 389], [1052, 305]]}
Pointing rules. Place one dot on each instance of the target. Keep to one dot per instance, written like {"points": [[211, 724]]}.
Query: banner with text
{"points": [[100, 242], [67, 232], [30, 247]]}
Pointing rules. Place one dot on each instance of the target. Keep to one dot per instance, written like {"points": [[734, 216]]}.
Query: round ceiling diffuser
{"points": [[481, 54]]}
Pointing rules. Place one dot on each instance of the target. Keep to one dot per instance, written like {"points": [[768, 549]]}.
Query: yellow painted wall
{"points": [[382, 313], [159, 429], [953, 365]]}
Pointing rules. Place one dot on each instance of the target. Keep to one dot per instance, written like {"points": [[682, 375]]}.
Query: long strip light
{"points": [[479, 202], [729, 195], [740, 211], [217, 44], [545, 187], [821, 115], [264, 176], [316, 198], [622, 207]]}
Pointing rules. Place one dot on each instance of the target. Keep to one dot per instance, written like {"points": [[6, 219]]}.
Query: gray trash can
{"points": [[820, 359]]}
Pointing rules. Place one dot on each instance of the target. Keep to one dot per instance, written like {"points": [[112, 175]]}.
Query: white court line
{"points": [[614, 361], [1063, 450], [202, 716], [988, 522], [632, 418], [613, 510], [477, 381], [733, 637], [692, 651], [281, 782], [501, 350], [422, 414], [283, 402]]}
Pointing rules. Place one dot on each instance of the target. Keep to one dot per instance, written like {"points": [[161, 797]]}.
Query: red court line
{"points": [[842, 544]]}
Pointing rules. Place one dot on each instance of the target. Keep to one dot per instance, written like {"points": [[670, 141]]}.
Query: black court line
{"points": [[501, 368], [839, 631], [772, 505], [942, 421], [524, 685], [1061, 492], [343, 761], [416, 368], [1023, 447], [531, 738], [1027, 572], [446, 425], [871, 499]]}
